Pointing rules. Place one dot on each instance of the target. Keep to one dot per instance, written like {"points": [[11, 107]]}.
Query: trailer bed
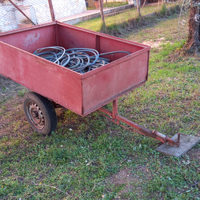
{"points": [[81, 93]]}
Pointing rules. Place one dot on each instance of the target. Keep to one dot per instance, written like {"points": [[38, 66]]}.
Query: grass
{"points": [[92, 158], [171, 32], [112, 21], [111, 5], [114, 4]]}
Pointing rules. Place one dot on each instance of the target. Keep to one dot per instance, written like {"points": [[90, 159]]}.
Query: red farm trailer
{"points": [[54, 85]]}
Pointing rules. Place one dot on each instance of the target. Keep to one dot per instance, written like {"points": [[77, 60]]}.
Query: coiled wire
{"points": [[80, 60]]}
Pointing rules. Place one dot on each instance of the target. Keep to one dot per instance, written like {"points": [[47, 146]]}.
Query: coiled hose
{"points": [[80, 60]]}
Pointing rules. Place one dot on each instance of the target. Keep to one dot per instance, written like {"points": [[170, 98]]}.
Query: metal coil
{"points": [[80, 60]]}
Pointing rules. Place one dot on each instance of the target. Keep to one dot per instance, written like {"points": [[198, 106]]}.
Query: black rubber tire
{"points": [[46, 113]]}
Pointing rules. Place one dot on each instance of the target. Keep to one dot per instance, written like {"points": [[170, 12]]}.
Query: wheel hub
{"points": [[36, 115]]}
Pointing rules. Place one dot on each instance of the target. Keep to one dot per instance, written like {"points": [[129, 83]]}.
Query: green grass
{"points": [[92, 158], [95, 24], [155, 33], [111, 5], [114, 4]]}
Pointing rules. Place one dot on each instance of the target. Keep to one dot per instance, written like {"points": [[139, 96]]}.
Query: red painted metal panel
{"points": [[70, 38], [32, 38], [41, 76], [109, 44], [109, 84]]}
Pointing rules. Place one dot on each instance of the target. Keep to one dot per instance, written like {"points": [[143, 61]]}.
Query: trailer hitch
{"points": [[117, 119]]}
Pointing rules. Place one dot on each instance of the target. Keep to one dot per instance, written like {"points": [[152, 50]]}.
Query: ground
{"points": [[92, 158], [8, 85]]}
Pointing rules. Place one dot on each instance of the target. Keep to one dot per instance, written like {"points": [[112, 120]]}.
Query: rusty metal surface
{"points": [[81, 93], [117, 119]]}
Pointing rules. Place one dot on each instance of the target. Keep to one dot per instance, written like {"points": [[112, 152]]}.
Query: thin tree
{"points": [[102, 16], [138, 7], [193, 40], [144, 4]]}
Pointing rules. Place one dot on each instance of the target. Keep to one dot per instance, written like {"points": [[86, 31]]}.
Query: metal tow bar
{"points": [[114, 117]]}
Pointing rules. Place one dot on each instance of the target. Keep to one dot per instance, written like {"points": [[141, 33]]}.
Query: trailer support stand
{"points": [[116, 118]]}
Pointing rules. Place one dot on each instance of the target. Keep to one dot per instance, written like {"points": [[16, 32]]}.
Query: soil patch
{"points": [[157, 43], [12, 119], [194, 154], [132, 181]]}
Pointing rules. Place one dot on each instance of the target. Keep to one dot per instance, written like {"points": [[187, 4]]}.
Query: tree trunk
{"points": [[144, 4], [138, 7], [103, 27], [193, 40], [101, 11]]}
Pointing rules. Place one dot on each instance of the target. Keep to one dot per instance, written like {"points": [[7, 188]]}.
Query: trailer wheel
{"points": [[40, 113]]}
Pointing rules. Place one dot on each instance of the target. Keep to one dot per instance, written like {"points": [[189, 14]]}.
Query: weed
{"points": [[21, 93], [163, 11]]}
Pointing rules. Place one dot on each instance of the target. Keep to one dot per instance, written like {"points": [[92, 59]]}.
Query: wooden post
{"points": [[51, 10]]}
